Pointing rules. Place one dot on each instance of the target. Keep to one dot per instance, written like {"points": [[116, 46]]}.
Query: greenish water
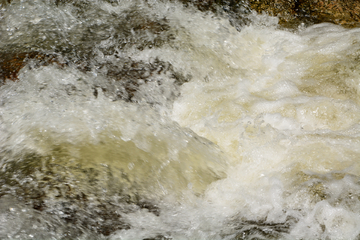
{"points": [[151, 120]]}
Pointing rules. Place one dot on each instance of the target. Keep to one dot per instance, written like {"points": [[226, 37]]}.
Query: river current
{"points": [[159, 121]]}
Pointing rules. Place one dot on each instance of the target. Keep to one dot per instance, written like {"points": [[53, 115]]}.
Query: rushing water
{"points": [[158, 121]]}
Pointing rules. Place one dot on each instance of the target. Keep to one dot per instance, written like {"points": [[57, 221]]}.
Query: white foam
{"points": [[278, 112]]}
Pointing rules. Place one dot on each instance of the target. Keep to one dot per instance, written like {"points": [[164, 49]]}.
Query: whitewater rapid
{"points": [[260, 137]]}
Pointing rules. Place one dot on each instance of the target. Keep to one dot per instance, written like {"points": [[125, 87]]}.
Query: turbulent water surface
{"points": [[152, 120]]}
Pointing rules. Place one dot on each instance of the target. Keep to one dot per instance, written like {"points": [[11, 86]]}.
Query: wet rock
{"points": [[129, 73], [158, 238], [12, 62], [235, 10], [88, 189], [83, 48], [261, 230], [290, 12], [215, 5], [344, 12], [51, 189], [133, 74]]}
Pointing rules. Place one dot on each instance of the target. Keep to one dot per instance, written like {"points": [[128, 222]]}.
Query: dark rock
{"points": [[132, 74], [214, 5], [130, 29], [235, 10], [90, 192], [12, 62], [158, 238], [50, 188], [259, 230]]}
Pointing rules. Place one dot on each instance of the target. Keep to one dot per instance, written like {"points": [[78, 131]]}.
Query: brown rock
{"points": [[290, 12], [345, 12], [11, 62]]}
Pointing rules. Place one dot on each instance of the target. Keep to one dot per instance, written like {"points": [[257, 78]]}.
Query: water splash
{"points": [[170, 123]]}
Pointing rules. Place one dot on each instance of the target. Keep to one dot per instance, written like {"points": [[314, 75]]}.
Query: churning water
{"points": [[157, 121]]}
